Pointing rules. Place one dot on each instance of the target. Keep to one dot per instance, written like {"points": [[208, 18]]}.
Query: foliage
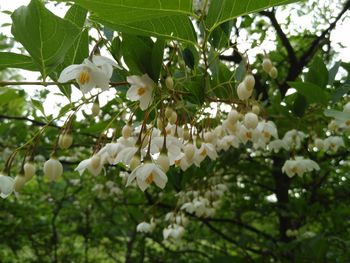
{"points": [[241, 202]]}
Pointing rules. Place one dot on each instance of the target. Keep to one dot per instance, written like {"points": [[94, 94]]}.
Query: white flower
{"points": [[141, 90], [90, 74], [145, 174], [94, 165], [145, 227], [293, 139], [173, 231], [299, 166], [277, 145], [333, 143], [6, 185]]}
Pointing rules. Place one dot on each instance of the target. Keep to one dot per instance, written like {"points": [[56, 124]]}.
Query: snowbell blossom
{"points": [[6, 185], [141, 90], [145, 174], [90, 74], [299, 166]]}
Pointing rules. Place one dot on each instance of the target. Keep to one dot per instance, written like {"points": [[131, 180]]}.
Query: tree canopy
{"points": [[174, 131]]}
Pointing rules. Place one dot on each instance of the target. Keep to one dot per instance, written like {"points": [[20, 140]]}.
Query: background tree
{"points": [[260, 213]]}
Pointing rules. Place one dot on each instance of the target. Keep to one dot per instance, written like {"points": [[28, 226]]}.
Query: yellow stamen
{"points": [[267, 134], [141, 91], [149, 179], [249, 135], [203, 152], [84, 77]]}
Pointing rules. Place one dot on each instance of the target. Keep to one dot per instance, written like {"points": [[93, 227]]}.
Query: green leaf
{"points": [[340, 92], [318, 73], [162, 18], [299, 105], [177, 27], [7, 95], [77, 15], [188, 57], [220, 37], [13, 60], [38, 105], [142, 55], [157, 58], [46, 37], [333, 72], [225, 10], [313, 93]]}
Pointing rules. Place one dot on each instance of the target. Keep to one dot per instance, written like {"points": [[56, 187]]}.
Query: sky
{"points": [[337, 35]]}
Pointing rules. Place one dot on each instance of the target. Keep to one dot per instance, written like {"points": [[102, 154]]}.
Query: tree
{"points": [[174, 143]]}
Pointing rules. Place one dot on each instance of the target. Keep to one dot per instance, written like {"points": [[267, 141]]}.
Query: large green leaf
{"points": [[13, 60], [46, 37], [142, 55], [312, 92], [318, 73], [131, 11], [162, 18], [225, 10]]}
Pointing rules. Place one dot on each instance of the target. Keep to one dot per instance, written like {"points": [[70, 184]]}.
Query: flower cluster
{"points": [[299, 166]]}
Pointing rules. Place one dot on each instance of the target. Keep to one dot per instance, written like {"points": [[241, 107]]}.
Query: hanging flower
{"points": [[6, 185], [141, 90], [145, 174], [90, 74]]}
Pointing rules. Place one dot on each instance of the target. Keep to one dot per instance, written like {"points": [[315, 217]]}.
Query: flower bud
{"points": [[208, 136], [53, 169], [186, 134], [135, 161], [267, 65], [273, 73], [29, 170], [163, 162], [233, 116], [169, 82], [251, 120], [242, 92], [65, 141], [160, 124], [95, 109], [173, 117], [20, 180], [256, 109], [249, 82], [126, 131], [95, 161], [168, 112], [189, 151]]}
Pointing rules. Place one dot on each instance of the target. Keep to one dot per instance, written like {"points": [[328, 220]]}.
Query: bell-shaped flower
{"points": [[90, 74], [141, 90], [94, 165], [145, 227], [299, 166], [6, 185], [145, 174]]}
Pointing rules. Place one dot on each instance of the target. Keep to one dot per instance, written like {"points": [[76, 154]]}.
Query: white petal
{"points": [[132, 93], [70, 72], [82, 166], [101, 60], [6, 185], [160, 178], [145, 100], [142, 184]]}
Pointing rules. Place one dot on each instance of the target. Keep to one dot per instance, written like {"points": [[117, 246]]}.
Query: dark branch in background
{"points": [[284, 39], [38, 123], [297, 65]]}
